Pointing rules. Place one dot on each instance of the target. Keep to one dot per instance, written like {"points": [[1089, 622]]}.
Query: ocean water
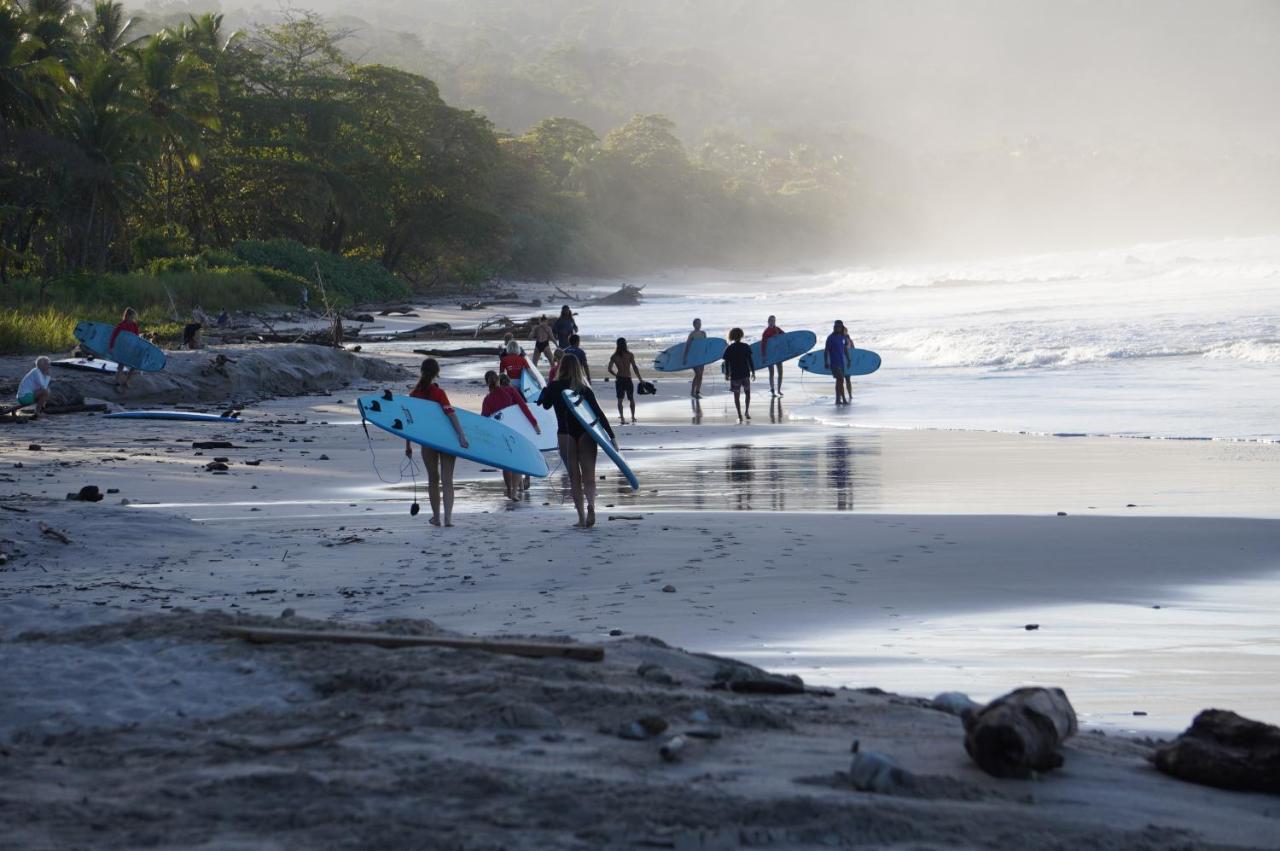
{"points": [[1169, 340]]}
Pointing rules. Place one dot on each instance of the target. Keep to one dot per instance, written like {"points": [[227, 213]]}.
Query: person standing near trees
{"points": [[128, 322], [564, 327]]}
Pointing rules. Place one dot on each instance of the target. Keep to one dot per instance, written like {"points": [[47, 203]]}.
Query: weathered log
{"points": [[1021, 732], [1225, 750], [464, 352], [269, 635]]}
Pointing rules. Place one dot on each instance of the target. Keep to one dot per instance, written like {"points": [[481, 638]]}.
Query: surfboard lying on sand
{"points": [[701, 352], [424, 422], [862, 362], [185, 416], [130, 350], [587, 417], [782, 347], [88, 364], [514, 418]]}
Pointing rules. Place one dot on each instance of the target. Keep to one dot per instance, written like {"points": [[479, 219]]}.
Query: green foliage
{"points": [[347, 279], [49, 331], [160, 244]]}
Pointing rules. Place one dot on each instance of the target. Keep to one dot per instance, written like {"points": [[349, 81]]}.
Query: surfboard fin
{"points": [[374, 406], [399, 426], [386, 394]]}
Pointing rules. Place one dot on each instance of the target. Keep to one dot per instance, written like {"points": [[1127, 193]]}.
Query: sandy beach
{"points": [[911, 561]]}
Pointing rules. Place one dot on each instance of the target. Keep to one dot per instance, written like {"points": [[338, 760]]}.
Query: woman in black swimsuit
{"points": [[577, 447]]}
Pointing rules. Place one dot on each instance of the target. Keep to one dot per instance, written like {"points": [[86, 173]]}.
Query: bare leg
{"points": [[779, 379], [632, 400], [431, 460], [569, 455], [620, 414], [587, 464], [746, 391], [737, 402], [446, 473], [772, 392], [848, 389]]}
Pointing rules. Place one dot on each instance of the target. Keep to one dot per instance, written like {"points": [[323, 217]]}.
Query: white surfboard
{"points": [[513, 418]]}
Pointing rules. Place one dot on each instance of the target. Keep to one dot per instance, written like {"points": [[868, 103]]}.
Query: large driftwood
{"points": [[464, 352], [626, 295], [1020, 733], [268, 635], [1225, 750]]}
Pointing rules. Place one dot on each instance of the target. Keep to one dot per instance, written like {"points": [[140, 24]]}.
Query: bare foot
{"points": [[591, 515], [448, 522], [434, 521]]}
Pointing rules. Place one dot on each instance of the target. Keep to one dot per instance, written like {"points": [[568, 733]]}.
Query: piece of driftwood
{"points": [[50, 532], [267, 635], [463, 352], [626, 295], [1021, 732], [1225, 750]]}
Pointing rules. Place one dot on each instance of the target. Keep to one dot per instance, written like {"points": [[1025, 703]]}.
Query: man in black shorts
{"points": [[621, 365], [541, 340], [742, 368]]}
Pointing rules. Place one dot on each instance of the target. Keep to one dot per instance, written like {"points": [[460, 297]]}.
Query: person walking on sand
{"points": [[564, 326], [833, 358], [541, 339], [772, 330], [512, 362], [33, 389], [128, 322], [577, 446], [304, 298], [848, 362], [500, 397], [695, 387], [621, 367], [742, 369], [574, 349], [439, 464]]}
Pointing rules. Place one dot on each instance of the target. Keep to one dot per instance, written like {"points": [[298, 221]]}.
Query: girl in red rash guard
{"points": [[500, 397], [512, 362], [128, 322], [439, 464]]}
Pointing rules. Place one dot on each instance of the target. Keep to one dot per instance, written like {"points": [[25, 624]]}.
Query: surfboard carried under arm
{"points": [[587, 416]]}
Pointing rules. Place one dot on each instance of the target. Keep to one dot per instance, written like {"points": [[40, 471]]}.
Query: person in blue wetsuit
{"points": [[835, 357], [577, 446]]}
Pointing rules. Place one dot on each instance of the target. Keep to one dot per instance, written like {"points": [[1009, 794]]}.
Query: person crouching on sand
{"points": [[34, 387], [577, 446], [439, 464], [742, 369], [500, 397], [128, 322], [695, 387], [621, 365], [772, 330], [833, 358]]}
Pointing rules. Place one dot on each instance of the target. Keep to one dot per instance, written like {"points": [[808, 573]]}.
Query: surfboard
{"points": [[130, 350], [587, 417], [424, 422], [514, 418], [862, 362], [701, 352], [783, 347], [88, 364], [531, 384], [185, 416]]}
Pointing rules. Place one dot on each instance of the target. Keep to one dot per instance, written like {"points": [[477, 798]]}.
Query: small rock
{"points": [[876, 772], [1139, 712], [1031, 626], [288, 613], [656, 674], [215, 467], [323, 458], [88, 493], [1062, 514], [35, 447], [113, 490], [221, 459], [615, 632], [672, 749], [668, 589], [955, 703]]}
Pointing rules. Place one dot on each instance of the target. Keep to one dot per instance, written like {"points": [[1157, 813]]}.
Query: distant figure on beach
{"points": [[439, 464], [128, 322], [304, 298], [742, 369], [224, 318], [772, 330], [541, 339], [577, 446], [848, 362], [503, 396], [33, 389], [834, 356], [191, 331], [564, 326], [695, 387], [621, 366], [512, 362], [574, 349]]}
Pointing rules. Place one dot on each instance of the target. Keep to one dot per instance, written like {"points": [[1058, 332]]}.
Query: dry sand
{"points": [[161, 733]]}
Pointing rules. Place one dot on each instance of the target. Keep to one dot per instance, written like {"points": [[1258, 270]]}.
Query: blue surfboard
{"points": [[130, 350], [587, 417], [782, 347], [863, 362], [424, 422], [701, 352], [184, 416]]}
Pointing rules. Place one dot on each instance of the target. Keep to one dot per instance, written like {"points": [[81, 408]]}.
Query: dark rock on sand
{"points": [[1225, 750]]}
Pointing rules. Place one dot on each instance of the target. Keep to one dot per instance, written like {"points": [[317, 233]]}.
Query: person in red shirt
{"points": [[439, 464], [128, 322], [500, 397], [771, 331], [512, 362]]}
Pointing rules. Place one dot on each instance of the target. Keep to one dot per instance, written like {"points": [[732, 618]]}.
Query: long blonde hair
{"points": [[571, 371]]}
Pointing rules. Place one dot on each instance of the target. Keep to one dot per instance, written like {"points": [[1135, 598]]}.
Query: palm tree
{"points": [[109, 28]]}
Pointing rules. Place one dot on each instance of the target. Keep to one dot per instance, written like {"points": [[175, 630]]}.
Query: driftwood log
{"points": [[1225, 750], [1021, 732], [463, 352], [270, 635]]}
